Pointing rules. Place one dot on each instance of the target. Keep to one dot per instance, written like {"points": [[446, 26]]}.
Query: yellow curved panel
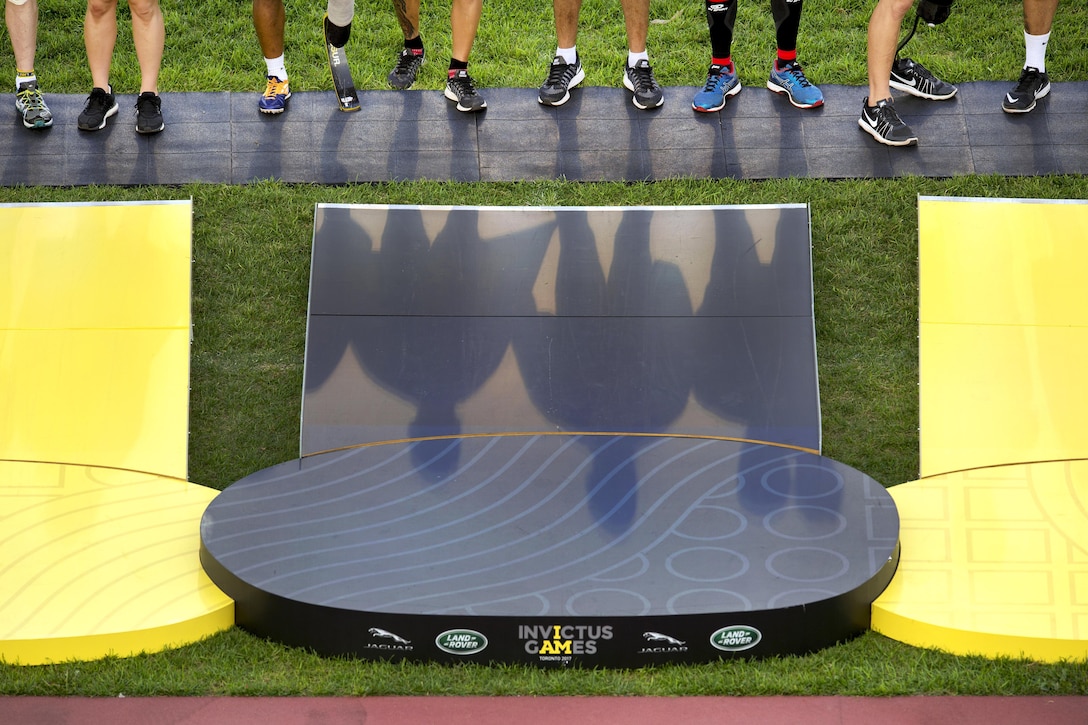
{"points": [[98, 561], [994, 562]]}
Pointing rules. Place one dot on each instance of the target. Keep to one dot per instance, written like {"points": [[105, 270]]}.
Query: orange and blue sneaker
{"points": [[275, 96]]}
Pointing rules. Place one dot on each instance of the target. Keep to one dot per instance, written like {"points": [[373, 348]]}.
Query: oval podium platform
{"points": [[555, 549]]}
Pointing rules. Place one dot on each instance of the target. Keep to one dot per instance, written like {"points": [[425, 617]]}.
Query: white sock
{"points": [[24, 80], [569, 55], [633, 57], [276, 67], [1035, 51]]}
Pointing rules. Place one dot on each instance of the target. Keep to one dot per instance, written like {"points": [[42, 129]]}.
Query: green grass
{"points": [[250, 274]]}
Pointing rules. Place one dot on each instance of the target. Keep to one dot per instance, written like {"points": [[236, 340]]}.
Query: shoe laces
{"points": [[461, 82], [98, 99], [147, 103], [1029, 77], [560, 72], [407, 61], [793, 68], [642, 76], [31, 98], [886, 112], [715, 77], [275, 87], [919, 70]]}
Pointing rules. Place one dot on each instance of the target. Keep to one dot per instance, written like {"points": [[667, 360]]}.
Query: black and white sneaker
{"points": [[405, 71], [1034, 84], [149, 113], [640, 81], [562, 76], [100, 105], [883, 123], [460, 88], [913, 78]]}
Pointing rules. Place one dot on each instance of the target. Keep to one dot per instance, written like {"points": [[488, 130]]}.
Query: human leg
{"points": [[787, 77], [412, 55], [1034, 83], [99, 36], [21, 18], [464, 21], [721, 78], [878, 117], [269, 21], [149, 37], [638, 76], [565, 71]]}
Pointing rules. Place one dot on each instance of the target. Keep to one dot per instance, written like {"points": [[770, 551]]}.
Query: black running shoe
{"points": [[883, 123], [460, 88], [100, 106], [405, 71], [562, 76], [913, 78], [640, 81], [1034, 84], [149, 113]]}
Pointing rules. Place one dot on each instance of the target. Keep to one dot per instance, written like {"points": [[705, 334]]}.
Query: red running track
{"points": [[539, 710]]}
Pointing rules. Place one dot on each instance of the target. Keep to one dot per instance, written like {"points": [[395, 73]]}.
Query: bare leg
{"points": [[269, 20], [99, 36], [464, 20], [149, 37], [566, 21], [22, 22], [636, 18], [407, 12], [883, 37]]}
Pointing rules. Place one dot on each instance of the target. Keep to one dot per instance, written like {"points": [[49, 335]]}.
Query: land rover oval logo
{"points": [[736, 638], [461, 642]]}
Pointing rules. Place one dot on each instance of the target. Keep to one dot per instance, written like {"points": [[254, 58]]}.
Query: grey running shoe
{"points": [[30, 103], [149, 113], [883, 123], [1034, 84], [640, 81], [460, 88], [913, 78], [100, 105], [405, 71], [562, 76]]}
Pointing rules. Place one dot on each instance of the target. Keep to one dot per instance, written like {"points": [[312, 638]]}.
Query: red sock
{"points": [[724, 62], [785, 56]]}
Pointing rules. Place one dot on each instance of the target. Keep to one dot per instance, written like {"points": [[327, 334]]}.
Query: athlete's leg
{"points": [[464, 21], [99, 37], [149, 37], [883, 37], [636, 19], [21, 17]]}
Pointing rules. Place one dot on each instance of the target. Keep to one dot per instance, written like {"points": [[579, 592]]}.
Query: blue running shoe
{"points": [[274, 98], [721, 83], [790, 79]]}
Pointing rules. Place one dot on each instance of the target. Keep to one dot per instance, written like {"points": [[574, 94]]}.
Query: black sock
{"points": [[415, 43], [337, 35], [458, 64]]}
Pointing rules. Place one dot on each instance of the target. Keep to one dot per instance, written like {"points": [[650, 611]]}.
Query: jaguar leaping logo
{"points": [[658, 637], [375, 632]]}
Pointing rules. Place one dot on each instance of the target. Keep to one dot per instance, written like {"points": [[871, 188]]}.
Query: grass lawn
{"points": [[251, 257]]}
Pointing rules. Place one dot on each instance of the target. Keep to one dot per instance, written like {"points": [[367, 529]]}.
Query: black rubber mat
{"points": [[597, 135]]}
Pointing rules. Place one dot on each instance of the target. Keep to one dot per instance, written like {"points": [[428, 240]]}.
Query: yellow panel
{"points": [[1003, 262], [1003, 334], [96, 397], [94, 334], [1013, 580], [77, 266], [99, 561]]}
